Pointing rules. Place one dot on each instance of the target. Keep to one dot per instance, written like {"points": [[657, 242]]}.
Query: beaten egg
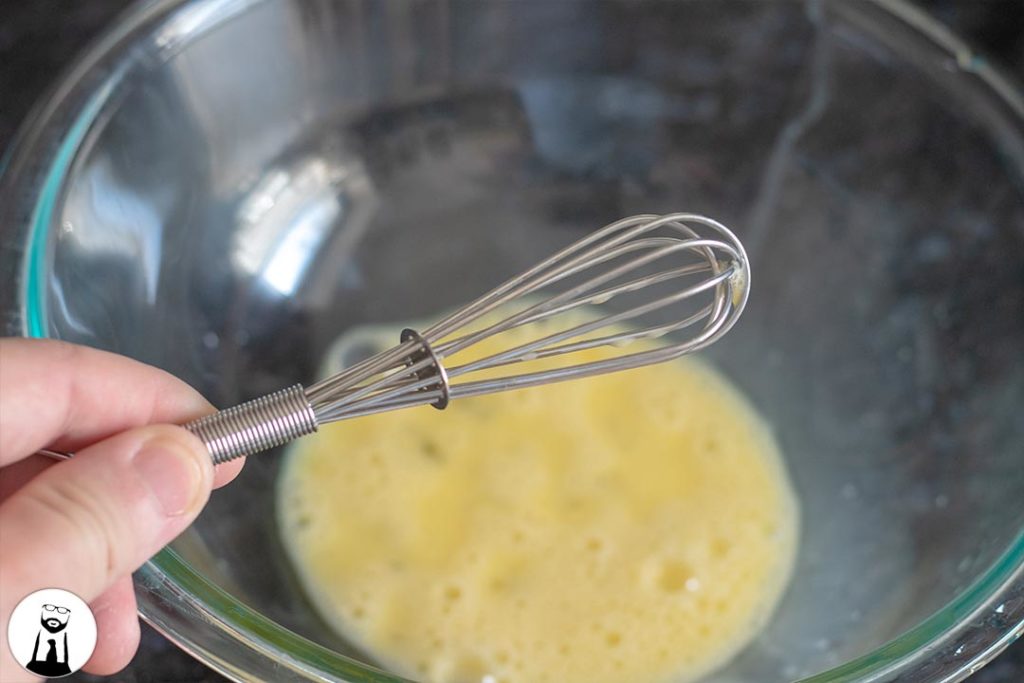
{"points": [[637, 527]]}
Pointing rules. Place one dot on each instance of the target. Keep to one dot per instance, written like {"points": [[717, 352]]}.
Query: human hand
{"points": [[85, 524]]}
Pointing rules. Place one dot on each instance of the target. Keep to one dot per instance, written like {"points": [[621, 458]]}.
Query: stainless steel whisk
{"points": [[630, 256]]}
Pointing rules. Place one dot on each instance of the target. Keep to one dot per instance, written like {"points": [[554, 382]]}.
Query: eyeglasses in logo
{"points": [[58, 610]]}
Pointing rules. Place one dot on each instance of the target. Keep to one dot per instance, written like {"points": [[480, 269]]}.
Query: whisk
{"points": [[686, 268]]}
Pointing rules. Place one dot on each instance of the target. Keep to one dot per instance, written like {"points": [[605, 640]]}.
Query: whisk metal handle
{"points": [[256, 425]]}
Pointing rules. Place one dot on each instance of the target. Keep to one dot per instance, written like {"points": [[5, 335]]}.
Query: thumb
{"points": [[85, 522]]}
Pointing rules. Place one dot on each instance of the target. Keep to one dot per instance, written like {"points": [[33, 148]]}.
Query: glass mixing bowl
{"points": [[222, 187]]}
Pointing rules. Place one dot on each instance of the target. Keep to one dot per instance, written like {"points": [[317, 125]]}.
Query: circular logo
{"points": [[52, 633]]}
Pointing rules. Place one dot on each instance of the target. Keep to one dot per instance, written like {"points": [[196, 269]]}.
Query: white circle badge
{"points": [[52, 633]]}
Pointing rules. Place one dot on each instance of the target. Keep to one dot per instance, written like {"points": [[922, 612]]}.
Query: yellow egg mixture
{"points": [[637, 527]]}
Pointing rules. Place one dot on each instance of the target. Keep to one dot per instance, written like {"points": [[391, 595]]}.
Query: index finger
{"points": [[59, 395]]}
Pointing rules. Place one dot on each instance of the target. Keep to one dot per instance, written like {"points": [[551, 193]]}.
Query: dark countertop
{"points": [[38, 38]]}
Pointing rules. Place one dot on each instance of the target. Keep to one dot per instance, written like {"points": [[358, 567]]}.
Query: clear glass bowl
{"points": [[222, 187]]}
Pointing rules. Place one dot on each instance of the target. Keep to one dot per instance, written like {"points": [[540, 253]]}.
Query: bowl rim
{"points": [[238, 642]]}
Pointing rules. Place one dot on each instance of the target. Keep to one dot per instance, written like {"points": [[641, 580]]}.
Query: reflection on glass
{"points": [[290, 215]]}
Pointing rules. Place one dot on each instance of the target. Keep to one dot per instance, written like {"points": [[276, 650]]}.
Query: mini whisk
{"points": [[685, 268]]}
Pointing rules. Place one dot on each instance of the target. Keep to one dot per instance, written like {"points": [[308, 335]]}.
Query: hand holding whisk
{"points": [[689, 271]]}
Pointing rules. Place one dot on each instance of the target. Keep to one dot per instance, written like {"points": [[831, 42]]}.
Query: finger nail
{"points": [[174, 475]]}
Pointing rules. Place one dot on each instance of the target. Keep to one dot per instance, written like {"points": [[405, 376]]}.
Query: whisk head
{"points": [[687, 272]]}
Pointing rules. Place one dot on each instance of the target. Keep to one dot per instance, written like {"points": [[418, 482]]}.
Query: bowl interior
{"points": [[261, 177]]}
